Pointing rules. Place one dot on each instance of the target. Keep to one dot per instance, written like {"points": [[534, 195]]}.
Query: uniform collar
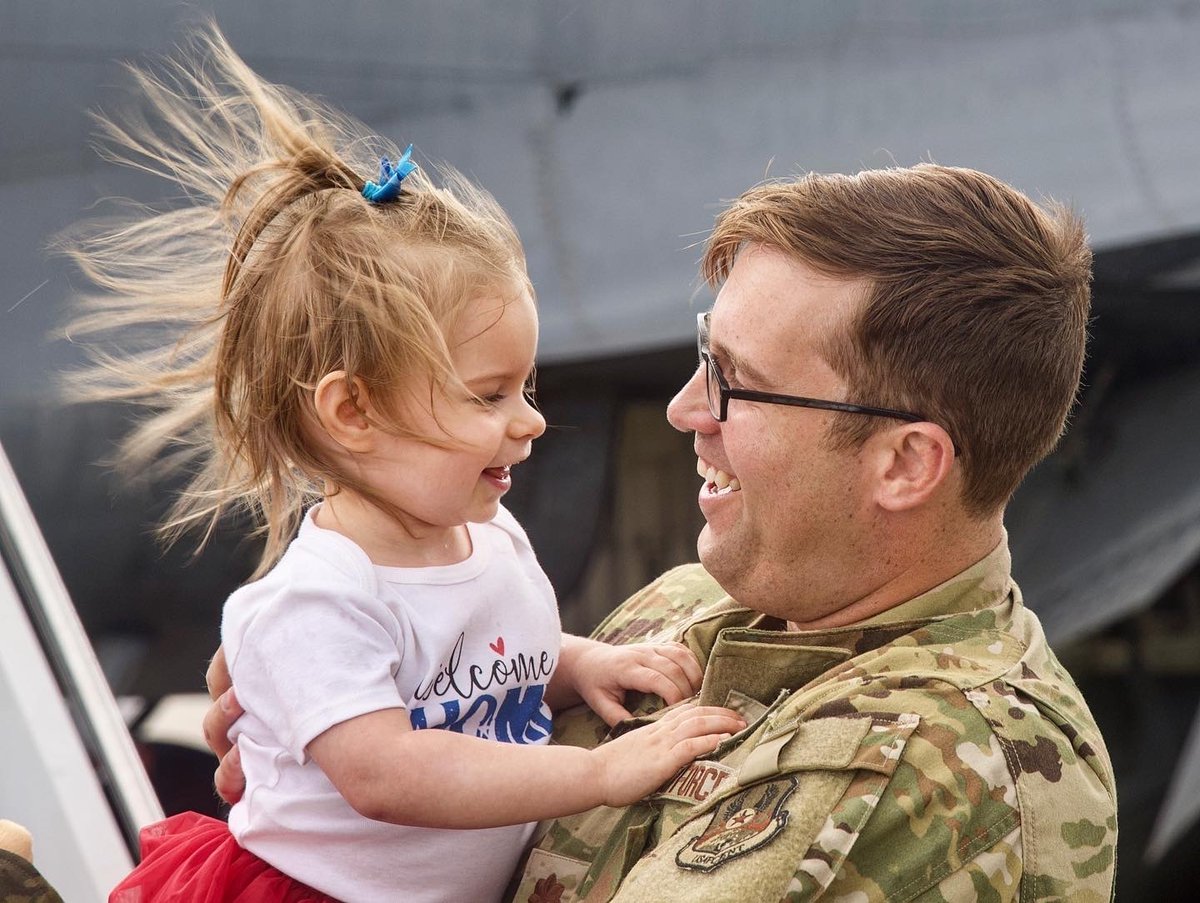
{"points": [[753, 655], [982, 585]]}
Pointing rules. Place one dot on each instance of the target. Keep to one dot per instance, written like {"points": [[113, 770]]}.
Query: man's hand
{"points": [[601, 673], [16, 839], [228, 779]]}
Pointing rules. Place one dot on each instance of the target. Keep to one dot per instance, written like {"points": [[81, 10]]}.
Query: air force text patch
{"points": [[741, 824], [696, 782]]}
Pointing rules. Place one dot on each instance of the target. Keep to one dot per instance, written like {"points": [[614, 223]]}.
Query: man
{"points": [[888, 355]]}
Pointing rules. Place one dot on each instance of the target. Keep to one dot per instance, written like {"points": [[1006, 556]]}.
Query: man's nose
{"points": [[688, 410]]}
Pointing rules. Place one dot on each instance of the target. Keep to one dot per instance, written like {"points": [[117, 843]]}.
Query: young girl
{"points": [[352, 358]]}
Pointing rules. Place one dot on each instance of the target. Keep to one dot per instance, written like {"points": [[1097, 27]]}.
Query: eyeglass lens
{"points": [[712, 384]]}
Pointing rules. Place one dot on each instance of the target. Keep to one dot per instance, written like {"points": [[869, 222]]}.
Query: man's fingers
{"points": [[219, 719], [216, 678], [228, 703], [229, 780], [16, 839]]}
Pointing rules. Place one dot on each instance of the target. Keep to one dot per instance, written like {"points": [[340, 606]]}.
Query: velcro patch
{"points": [[696, 782], [551, 876], [740, 825]]}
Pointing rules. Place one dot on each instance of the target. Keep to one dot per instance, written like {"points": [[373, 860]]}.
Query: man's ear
{"points": [[914, 461], [341, 405]]}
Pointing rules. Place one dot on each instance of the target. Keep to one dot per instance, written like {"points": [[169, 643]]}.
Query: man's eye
{"points": [[729, 372]]}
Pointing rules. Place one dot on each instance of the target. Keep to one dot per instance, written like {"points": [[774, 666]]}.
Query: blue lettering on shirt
{"points": [[517, 717]]}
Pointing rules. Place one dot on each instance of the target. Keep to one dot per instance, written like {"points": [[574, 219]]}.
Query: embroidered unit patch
{"points": [[741, 824]]}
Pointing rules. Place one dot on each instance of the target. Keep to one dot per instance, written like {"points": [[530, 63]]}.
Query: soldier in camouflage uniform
{"points": [[927, 752], [910, 734]]}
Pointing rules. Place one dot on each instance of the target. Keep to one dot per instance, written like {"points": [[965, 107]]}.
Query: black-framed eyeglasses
{"points": [[719, 391]]}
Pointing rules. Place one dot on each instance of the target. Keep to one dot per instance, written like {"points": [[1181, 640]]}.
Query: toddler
{"points": [[351, 361]]}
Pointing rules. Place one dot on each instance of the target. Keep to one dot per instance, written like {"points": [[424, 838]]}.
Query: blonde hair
{"points": [[220, 316], [977, 312]]}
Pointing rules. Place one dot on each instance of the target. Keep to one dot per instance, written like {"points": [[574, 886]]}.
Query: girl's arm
{"points": [[440, 779], [599, 674]]}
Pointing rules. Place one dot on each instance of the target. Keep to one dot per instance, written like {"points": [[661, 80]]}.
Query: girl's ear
{"points": [[340, 405]]}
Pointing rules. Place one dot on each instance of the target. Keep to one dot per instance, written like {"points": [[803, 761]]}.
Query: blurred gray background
{"points": [[612, 132]]}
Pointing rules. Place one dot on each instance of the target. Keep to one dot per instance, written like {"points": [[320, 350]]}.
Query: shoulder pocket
{"points": [[799, 802]]}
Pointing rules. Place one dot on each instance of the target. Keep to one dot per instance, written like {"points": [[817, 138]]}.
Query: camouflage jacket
{"points": [[938, 752], [20, 882]]}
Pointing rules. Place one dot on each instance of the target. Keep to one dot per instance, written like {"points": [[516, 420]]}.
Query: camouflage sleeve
{"points": [[955, 820], [925, 837], [983, 804], [20, 882], [946, 824]]}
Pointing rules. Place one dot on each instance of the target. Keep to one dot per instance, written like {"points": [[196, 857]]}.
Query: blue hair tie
{"points": [[387, 189]]}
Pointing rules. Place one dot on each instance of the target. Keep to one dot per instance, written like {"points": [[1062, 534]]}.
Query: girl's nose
{"points": [[530, 423]]}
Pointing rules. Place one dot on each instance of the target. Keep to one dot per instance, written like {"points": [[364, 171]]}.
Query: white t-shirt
{"points": [[327, 636]]}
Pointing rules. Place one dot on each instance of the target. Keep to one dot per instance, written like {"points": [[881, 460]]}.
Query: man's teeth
{"points": [[718, 480]]}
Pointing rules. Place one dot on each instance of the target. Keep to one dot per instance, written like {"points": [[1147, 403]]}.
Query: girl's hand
{"points": [[639, 762], [601, 674]]}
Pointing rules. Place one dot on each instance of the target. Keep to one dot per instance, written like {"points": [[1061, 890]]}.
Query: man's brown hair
{"points": [[977, 311]]}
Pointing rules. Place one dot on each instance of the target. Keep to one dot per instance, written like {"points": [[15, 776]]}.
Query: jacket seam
{"points": [[968, 851]]}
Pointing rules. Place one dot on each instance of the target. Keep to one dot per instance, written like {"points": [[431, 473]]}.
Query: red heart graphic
{"points": [[498, 646]]}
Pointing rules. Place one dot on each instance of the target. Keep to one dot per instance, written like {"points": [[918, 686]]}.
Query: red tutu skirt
{"points": [[191, 858]]}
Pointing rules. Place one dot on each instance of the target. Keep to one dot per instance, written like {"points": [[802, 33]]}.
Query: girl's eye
{"points": [[489, 401]]}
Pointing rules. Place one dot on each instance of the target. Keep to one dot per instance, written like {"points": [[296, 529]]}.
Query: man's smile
{"points": [[719, 482]]}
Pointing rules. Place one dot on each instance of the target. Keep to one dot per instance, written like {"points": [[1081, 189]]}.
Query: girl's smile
{"points": [[432, 490]]}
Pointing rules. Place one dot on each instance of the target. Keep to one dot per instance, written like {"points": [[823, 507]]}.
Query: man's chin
{"points": [[714, 553]]}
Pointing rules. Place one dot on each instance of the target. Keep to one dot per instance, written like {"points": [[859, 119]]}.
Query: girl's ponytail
{"points": [[219, 317]]}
